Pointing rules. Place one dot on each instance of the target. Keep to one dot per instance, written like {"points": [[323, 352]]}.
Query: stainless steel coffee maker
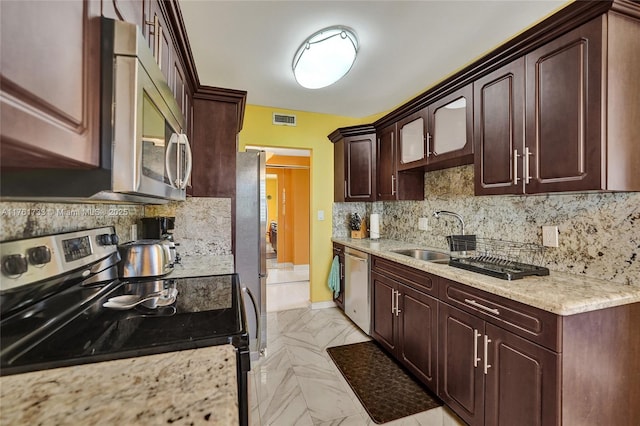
{"points": [[161, 228]]}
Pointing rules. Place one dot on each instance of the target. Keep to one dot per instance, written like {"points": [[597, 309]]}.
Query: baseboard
{"points": [[301, 268], [323, 305]]}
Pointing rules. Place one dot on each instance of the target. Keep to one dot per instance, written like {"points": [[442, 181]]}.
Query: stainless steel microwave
{"points": [[145, 155]]}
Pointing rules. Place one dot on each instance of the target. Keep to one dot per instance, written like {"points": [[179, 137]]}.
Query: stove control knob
{"points": [[39, 255], [14, 264], [108, 239]]}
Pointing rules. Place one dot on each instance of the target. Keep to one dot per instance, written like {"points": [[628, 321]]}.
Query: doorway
{"points": [[288, 228]]}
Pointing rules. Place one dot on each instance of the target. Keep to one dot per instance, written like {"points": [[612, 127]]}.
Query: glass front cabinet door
{"points": [[439, 135], [412, 137], [450, 136]]}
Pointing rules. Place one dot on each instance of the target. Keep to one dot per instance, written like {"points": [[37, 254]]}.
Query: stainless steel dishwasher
{"points": [[357, 297]]}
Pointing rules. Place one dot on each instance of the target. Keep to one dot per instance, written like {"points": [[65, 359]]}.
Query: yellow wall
{"points": [[310, 133]]}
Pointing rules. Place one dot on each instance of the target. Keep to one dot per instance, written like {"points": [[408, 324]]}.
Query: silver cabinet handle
{"points": [[428, 144], [156, 37], [515, 167], [345, 188], [481, 306], [393, 185], [397, 303], [526, 166], [393, 301], [486, 353], [476, 334]]}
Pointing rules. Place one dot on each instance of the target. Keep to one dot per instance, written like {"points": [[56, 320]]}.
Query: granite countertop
{"points": [[186, 387], [201, 265], [560, 293]]}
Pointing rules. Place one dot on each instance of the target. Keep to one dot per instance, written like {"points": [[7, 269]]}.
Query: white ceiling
{"points": [[405, 46]]}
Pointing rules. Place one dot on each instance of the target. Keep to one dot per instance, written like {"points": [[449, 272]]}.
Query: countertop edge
{"points": [[198, 385], [559, 293]]}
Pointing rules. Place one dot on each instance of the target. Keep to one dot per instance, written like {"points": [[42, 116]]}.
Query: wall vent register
{"points": [[284, 119]]}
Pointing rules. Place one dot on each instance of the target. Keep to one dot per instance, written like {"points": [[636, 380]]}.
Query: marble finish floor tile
{"points": [[296, 383]]}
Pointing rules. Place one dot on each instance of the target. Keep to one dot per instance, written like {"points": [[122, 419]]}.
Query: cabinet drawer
{"points": [[419, 280], [526, 321]]}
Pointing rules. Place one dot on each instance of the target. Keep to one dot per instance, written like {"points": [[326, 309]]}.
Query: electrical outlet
{"points": [[423, 223], [133, 232], [550, 236]]}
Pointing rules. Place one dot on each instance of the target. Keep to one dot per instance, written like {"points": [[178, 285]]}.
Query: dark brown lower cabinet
{"points": [[491, 376], [496, 361], [405, 324]]}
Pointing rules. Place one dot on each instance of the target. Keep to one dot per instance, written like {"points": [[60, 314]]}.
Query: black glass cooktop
{"points": [[73, 327]]}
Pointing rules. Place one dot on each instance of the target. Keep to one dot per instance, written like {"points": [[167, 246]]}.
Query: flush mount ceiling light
{"points": [[325, 57]]}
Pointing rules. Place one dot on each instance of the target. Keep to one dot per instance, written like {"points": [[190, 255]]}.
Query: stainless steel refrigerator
{"points": [[250, 256]]}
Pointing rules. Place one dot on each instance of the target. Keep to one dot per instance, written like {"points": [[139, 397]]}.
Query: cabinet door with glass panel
{"points": [[412, 140], [439, 135], [450, 136]]}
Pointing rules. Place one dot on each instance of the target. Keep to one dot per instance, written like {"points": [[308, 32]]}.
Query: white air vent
{"points": [[284, 119]]}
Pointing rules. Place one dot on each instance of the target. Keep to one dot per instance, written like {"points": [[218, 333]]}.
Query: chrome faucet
{"points": [[437, 214]]}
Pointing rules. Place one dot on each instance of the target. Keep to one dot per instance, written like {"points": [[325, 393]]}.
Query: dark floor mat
{"points": [[385, 389]]}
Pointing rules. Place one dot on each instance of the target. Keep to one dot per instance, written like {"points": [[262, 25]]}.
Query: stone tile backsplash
{"points": [[203, 225], [31, 219], [599, 232]]}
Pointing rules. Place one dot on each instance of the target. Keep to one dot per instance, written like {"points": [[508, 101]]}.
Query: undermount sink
{"points": [[423, 254]]}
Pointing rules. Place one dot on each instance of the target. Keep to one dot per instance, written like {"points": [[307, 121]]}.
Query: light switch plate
{"points": [[320, 214], [550, 236], [423, 223]]}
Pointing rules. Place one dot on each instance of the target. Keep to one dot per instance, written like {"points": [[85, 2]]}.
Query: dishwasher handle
{"points": [[359, 259]]}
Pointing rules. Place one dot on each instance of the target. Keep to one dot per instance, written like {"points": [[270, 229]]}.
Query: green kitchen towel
{"points": [[334, 277]]}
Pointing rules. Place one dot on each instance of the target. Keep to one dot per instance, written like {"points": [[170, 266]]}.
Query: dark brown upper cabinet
{"points": [[450, 137], [413, 132], [499, 129], [392, 184], [354, 153], [50, 93], [561, 118], [218, 118], [439, 135]]}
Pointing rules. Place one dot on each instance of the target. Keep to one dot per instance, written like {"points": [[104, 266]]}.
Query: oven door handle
{"points": [[258, 320]]}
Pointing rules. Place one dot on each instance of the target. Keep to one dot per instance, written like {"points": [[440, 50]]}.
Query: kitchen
{"points": [[590, 223]]}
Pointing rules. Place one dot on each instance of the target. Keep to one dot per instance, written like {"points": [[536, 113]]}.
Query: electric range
{"points": [[52, 294]]}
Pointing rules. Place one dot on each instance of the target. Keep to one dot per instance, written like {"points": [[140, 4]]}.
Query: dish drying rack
{"points": [[502, 259]]}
